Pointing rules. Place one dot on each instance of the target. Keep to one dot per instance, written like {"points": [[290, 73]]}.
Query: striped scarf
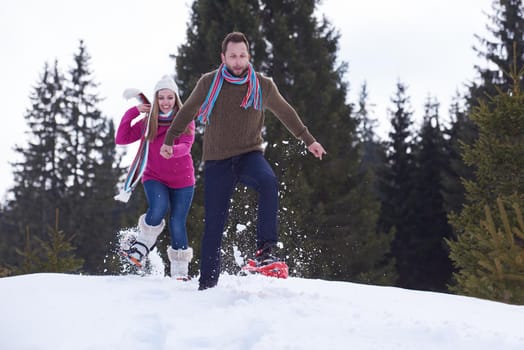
{"points": [[165, 119], [253, 96]]}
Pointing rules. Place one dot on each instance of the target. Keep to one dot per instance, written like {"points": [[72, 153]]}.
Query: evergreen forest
{"points": [[436, 207]]}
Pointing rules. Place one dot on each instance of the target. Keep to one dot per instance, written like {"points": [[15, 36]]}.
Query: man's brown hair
{"points": [[235, 37]]}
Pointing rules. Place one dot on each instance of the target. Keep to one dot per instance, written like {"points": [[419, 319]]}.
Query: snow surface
{"points": [[75, 312]]}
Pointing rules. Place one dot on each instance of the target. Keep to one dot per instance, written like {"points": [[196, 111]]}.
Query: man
{"points": [[231, 101]]}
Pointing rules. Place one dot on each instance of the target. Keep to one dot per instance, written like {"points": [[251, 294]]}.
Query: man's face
{"points": [[236, 58]]}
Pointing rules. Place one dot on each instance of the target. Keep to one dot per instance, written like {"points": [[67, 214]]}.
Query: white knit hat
{"points": [[166, 83]]}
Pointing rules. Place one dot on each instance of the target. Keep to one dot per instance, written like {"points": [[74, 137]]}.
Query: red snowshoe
{"points": [[278, 269], [136, 262], [265, 263], [136, 253]]}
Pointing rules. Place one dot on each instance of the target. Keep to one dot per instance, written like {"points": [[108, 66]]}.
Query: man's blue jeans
{"points": [[220, 179], [161, 198]]}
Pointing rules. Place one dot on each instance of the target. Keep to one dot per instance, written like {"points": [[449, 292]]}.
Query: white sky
{"points": [[426, 44], [60, 311]]}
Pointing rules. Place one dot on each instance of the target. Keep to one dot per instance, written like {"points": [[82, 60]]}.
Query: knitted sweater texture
{"points": [[233, 130]]}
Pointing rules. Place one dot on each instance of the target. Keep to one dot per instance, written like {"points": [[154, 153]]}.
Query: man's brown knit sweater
{"points": [[233, 130]]}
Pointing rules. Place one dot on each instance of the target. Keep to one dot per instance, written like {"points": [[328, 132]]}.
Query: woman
{"points": [[168, 183]]}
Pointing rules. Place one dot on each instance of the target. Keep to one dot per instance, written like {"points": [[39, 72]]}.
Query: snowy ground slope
{"points": [[58, 311]]}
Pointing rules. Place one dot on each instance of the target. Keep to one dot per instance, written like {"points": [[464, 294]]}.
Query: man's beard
{"points": [[242, 73]]}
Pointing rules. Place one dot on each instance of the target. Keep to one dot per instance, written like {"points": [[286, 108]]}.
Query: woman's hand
{"points": [[166, 151], [144, 108]]}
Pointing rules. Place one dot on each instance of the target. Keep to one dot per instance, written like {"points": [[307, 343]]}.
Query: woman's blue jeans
{"points": [[220, 180], [161, 198]]}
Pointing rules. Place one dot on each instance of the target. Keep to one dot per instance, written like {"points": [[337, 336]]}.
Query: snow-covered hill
{"points": [[72, 312]]}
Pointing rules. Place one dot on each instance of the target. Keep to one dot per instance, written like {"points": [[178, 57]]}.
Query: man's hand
{"points": [[317, 150], [166, 151]]}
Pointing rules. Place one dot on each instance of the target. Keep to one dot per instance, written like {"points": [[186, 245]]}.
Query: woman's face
{"points": [[166, 100]]}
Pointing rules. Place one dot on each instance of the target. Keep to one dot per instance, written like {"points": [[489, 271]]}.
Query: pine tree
{"points": [[210, 22], [52, 254], [58, 251], [371, 166], [429, 265], [366, 123], [498, 159], [455, 169], [295, 36], [70, 163], [302, 60], [31, 261], [397, 184], [502, 50], [499, 270], [4, 271], [39, 185], [299, 53], [90, 166], [373, 151]]}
